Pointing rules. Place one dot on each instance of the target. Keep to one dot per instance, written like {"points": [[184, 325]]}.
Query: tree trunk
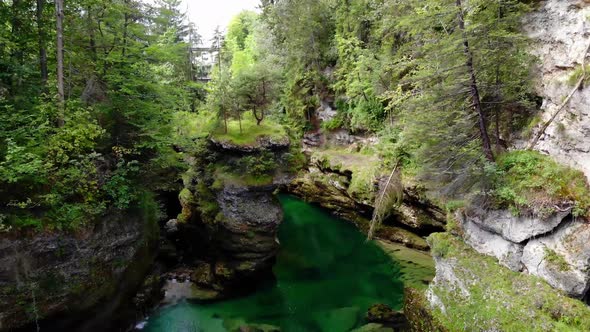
{"points": [[240, 119], [41, 42], [60, 61], [224, 121], [473, 87], [17, 30], [125, 28], [258, 117], [91, 35]]}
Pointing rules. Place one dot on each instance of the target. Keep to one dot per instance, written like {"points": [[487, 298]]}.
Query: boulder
{"points": [[508, 253], [247, 231], [515, 228], [562, 258]]}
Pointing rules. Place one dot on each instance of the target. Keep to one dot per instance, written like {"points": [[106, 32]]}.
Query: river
{"points": [[327, 276]]}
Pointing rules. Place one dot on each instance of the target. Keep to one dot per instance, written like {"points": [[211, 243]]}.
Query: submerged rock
{"points": [[383, 314]]}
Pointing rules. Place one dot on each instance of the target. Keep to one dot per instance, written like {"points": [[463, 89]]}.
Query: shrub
{"points": [[530, 180]]}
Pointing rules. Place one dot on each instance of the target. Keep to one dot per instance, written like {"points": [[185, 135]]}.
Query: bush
{"points": [[532, 181]]}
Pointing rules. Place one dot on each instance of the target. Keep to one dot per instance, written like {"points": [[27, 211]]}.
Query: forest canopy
{"points": [[101, 121]]}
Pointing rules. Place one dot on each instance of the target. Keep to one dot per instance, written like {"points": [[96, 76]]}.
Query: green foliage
{"points": [[576, 75], [120, 186], [530, 180], [127, 68], [260, 164]]}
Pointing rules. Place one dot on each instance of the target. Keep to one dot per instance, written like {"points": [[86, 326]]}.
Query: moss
{"points": [[500, 299], [556, 260], [530, 180], [417, 267], [418, 312], [365, 169], [439, 247]]}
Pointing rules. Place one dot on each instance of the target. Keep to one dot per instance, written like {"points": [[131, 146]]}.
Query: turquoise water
{"points": [[327, 277]]}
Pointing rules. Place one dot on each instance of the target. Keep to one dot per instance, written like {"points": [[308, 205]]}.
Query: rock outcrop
{"points": [[560, 35], [230, 217], [472, 292], [333, 184], [553, 248], [562, 258], [50, 274]]}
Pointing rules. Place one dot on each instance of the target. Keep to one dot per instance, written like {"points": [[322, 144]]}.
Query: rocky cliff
{"points": [[560, 37], [539, 260], [63, 275], [342, 179], [230, 217], [552, 247]]}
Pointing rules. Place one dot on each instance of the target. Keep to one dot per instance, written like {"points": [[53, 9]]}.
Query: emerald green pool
{"points": [[327, 277]]}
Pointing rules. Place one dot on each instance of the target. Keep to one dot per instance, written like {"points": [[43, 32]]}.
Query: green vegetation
{"points": [[249, 132], [556, 260], [530, 180], [500, 299], [99, 140], [576, 75], [364, 165]]}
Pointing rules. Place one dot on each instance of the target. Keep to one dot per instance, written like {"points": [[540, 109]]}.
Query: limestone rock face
{"points": [[562, 258], [247, 232], [560, 34], [556, 250], [515, 228], [231, 216], [508, 253], [67, 272], [329, 185]]}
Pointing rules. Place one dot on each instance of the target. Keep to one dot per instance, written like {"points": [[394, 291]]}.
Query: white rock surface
{"points": [[512, 228], [508, 253], [560, 33], [570, 243]]}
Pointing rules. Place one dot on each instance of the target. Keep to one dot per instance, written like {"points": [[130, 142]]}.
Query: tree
{"points": [[256, 88], [41, 41], [455, 83], [59, 48]]}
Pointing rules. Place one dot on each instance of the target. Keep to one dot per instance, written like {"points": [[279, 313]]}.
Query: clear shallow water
{"points": [[327, 277]]}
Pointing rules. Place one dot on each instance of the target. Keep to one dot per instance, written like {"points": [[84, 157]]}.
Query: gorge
{"points": [[336, 166]]}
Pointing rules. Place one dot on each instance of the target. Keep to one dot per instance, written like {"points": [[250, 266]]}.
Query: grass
{"points": [[500, 299], [194, 125], [250, 130], [577, 74], [532, 181]]}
